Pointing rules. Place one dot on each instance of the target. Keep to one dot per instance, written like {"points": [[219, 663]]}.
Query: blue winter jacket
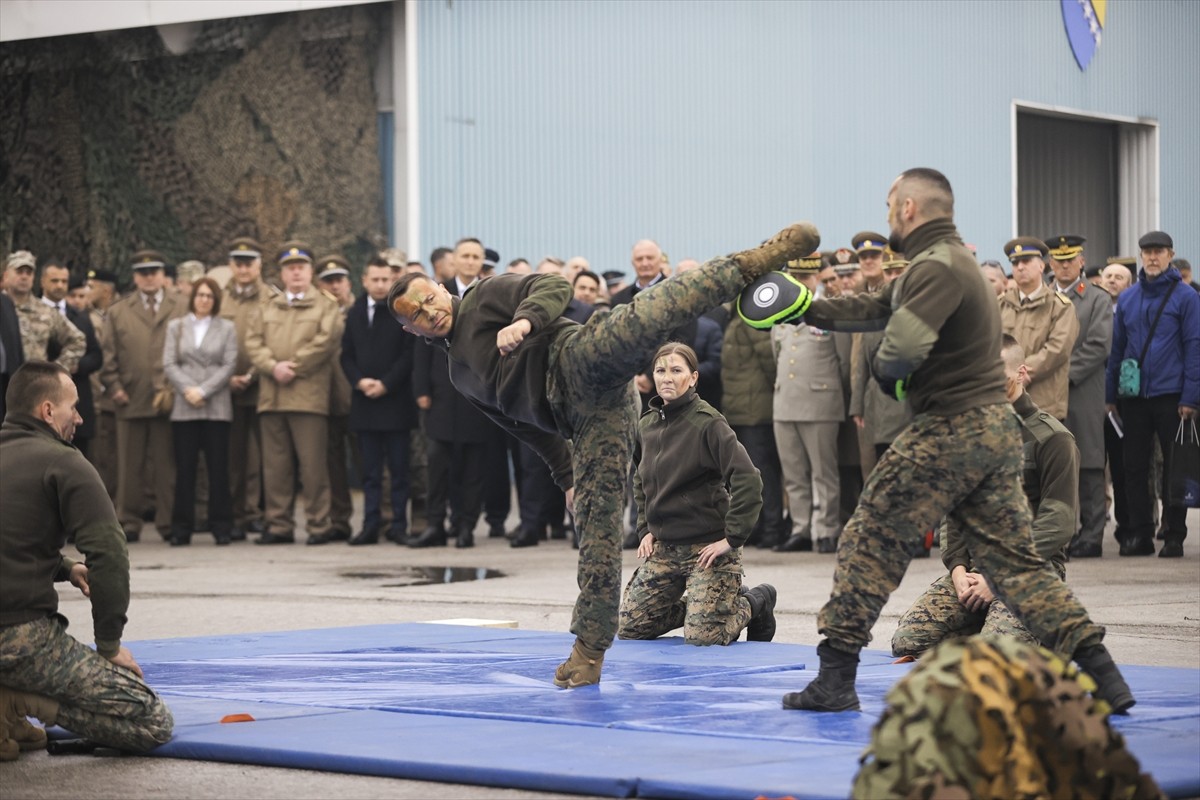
{"points": [[1172, 364]]}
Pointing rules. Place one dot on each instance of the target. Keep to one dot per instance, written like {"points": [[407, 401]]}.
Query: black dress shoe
{"points": [[237, 534], [256, 526], [397, 535], [1083, 549], [368, 535], [339, 534], [1138, 546], [433, 536], [496, 531], [319, 538], [558, 532], [465, 539], [826, 544], [1171, 548], [179, 540], [276, 538], [525, 539], [794, 544]]}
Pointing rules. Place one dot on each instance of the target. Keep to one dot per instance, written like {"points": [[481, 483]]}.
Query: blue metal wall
{"points": [[579, 126]]}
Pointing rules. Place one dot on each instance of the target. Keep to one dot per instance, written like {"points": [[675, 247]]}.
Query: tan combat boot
{"points": [[15, 705], [582, 668], [9, 749], [27, 735], [795, 241]]}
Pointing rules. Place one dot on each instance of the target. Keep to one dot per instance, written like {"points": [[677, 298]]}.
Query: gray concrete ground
{"points": [[1150, 606]]}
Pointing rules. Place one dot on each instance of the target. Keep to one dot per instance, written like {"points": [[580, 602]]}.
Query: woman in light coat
{"points": [[199, 356]]}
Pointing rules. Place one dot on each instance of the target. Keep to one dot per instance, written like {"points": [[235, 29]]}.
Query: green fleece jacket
{"points": [[48, 491], [695, 482], [941, 325]]}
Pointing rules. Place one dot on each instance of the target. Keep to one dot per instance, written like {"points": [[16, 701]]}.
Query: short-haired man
{"points": [[1185, 272], [377, 360], [647, 260], [587, 287], [961, 456], [441, 260], [50, 492], [547, 378], [1043, 321], [468, 262], [57, 283], [135, 333], [1169, 388], [291, 344], [994, 272], [961, 603], [1119, 274]]}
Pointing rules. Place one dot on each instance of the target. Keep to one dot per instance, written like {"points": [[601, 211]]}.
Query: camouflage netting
{"points": [[266, 127]]}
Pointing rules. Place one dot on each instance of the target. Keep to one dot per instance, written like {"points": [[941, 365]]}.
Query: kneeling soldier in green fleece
{"points": [[49, 491]]}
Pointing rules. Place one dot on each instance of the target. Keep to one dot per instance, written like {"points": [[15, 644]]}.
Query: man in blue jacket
{"points": [[1169, 363]]}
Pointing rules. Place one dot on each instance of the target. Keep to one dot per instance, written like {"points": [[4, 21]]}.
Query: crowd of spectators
{"points": [[211, 398]]}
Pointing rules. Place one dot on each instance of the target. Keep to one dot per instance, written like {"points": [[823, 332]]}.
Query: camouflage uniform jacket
{"points": [[1050, 478], [932, 316], [49, 492], [1045, 326], [41, 325], [511, 389], [695, 482]]}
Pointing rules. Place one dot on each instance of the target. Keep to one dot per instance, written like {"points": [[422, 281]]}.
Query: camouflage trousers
{"points": [[966, 467], [937, 616], [669, 591], [992, 718], [96, 699], [589, 386]]}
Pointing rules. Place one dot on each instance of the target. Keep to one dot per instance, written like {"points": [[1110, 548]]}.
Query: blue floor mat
{"points": [[476, 705]]}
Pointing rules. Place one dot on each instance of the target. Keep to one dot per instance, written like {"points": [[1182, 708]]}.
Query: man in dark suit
{"points": [[57, 282], [12, 355], [377, 358]]}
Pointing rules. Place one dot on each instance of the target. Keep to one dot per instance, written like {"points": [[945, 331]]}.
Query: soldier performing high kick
{"points": [[547, 379], [960, 456]]}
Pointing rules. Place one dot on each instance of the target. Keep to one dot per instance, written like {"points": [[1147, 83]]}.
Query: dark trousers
{"points": [[455, 479], [497, 487], [1145, 419], [759, 441], [541, 501], [190, 438], [378, 447]]}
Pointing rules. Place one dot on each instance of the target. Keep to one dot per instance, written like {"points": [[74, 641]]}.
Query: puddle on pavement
{"points": [[425, 576]]}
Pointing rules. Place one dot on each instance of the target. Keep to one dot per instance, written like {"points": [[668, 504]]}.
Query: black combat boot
{"points": [[762, 612], [1110, 685], [833, 688]]}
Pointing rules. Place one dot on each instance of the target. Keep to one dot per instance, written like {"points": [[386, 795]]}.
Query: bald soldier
{"points": [[960, 456], [548, 380]]}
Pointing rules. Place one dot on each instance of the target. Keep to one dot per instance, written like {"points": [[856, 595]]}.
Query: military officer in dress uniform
{"points": [[1085, 407], [1043, 321], [292, 342], [333, 275], [809, 407], [135, 332]]}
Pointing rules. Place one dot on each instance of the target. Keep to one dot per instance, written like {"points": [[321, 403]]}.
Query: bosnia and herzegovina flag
{"points": [[1084, 21]]}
